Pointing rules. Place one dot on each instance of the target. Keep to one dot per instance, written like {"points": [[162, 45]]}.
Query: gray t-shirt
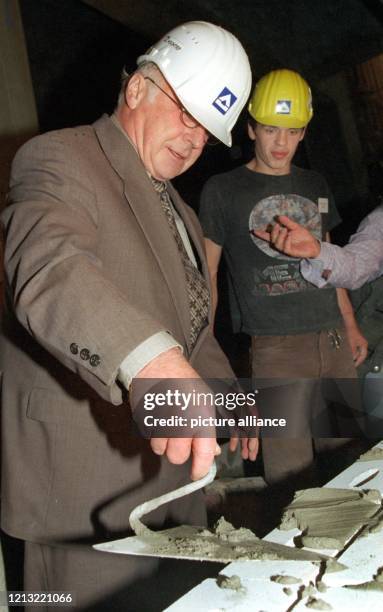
{"points": [[268, 294]]}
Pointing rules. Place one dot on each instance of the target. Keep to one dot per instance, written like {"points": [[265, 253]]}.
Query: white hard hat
{"points": [[209, 71]]}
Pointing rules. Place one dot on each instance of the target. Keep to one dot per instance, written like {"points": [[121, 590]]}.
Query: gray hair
{"points": [[147, 69]]}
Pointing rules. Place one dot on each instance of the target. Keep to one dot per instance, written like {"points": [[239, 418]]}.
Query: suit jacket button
{"points": [[74, 348], [94, 360], [84, 354]]}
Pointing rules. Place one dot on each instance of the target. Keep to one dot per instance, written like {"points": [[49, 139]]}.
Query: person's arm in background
{"points": [[358, 262], [213, 255], [357, 341], [350, 266]]}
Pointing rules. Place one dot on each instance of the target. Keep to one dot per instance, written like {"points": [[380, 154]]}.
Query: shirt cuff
{"points": [[144, 353], [325, 257], [312, 271], [317, 270]]}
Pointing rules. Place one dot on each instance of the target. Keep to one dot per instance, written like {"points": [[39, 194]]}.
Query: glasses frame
{"points": [[185, 116]]}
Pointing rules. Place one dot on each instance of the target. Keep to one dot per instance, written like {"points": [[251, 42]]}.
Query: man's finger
{"points": [[178, 450], [281, 239], [159, 445], [275, 232], [262, 234], [360, 355], [203, 453], [253, 447], [288, 249], [244, 449], [287, 222]]}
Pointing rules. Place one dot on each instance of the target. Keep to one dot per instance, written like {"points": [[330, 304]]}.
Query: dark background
{"points": [[76, 54]]}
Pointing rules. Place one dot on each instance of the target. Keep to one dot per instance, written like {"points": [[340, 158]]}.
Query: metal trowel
{"points": [[223, 544]]}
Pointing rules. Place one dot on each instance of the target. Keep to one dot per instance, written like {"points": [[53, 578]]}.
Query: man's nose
{"points": [[197, 136], [281, 137]]}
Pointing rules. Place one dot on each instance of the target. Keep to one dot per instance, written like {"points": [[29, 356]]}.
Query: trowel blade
{"points": [[191, 543]]}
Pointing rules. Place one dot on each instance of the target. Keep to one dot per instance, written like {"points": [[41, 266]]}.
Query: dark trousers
{"points": [[296, 376]]}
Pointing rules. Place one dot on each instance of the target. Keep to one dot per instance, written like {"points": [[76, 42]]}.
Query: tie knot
{"points": [[159, 186]]}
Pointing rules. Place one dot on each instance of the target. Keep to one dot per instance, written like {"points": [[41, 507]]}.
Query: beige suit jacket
{"points": [[91, 271]]}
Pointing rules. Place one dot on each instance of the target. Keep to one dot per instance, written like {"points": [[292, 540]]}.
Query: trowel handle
{"points": [[134, 518]]}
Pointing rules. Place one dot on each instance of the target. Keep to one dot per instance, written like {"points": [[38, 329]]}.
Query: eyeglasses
{"points": [[185, 116]]}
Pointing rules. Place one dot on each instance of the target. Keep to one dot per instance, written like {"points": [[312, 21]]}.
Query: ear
{"points": [[302, 134], [251, 131], [135, 90]]}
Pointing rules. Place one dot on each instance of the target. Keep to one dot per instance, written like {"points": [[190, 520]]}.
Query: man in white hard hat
{"points": [[298, 334], [106, 284]]}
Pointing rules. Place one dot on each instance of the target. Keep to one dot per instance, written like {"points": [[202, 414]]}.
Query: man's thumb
{"points": [[287, 222]]}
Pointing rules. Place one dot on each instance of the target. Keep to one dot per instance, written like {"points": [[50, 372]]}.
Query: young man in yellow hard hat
{"points": [[299, 333]]}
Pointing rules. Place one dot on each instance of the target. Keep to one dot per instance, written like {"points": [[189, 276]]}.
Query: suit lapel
{"points": [[146, 207]]}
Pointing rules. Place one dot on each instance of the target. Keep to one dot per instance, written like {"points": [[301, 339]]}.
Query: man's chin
{"points": [[171, 166], [168, 174]]}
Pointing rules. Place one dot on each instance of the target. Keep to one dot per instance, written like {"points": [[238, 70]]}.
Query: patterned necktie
{"points": [[197, 290]]}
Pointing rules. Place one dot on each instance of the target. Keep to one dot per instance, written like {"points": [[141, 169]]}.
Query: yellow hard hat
{"points": [[281, 98]]}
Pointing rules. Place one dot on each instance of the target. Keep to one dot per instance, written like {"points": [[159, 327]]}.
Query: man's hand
{"points": [[290, 238], [178, 450], [359, 345], [172, 365]]}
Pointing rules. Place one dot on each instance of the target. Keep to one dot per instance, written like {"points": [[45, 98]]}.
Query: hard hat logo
{"points": [[283, 107], [224, 101]]}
